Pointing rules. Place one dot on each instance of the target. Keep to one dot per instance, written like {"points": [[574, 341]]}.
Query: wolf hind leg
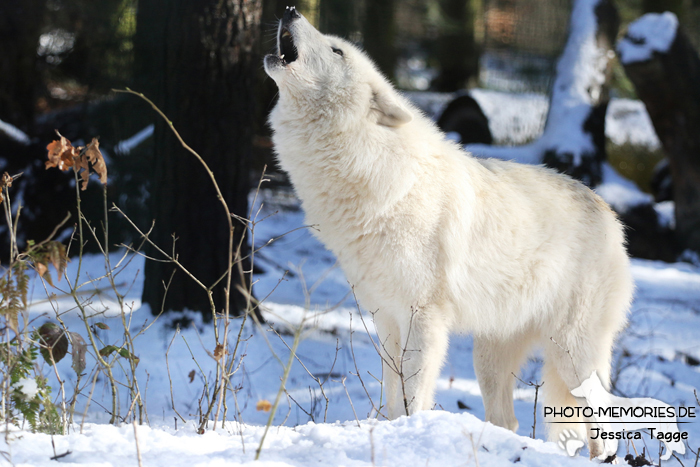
{"points": [[557, 396], [569, 362]]}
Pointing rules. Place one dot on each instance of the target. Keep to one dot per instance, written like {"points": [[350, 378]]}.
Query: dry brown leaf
{"points": [[94, 155], [12, 321], [82, 163], [218, 352], [58, 257], [7, 179], [62, 154], [41, 269], [263, 406], [191, 375]]}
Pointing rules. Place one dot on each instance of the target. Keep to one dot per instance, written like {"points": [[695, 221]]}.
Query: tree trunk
{"points": [[337, 17], [20, 26], [197, 62], [659, 6], [378, 35], [668, 83], [456, 51]]}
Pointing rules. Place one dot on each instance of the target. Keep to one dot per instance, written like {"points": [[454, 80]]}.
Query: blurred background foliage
{"points": [[85, 48]]}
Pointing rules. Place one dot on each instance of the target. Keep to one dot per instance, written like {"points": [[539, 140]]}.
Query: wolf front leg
{"points": [[389, 348], [423, 346]]}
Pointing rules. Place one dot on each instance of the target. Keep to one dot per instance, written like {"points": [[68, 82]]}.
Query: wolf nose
{"points": [[290, 13]]}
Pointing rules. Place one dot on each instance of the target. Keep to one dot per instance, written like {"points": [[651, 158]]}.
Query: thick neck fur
{"points": [[323, 147]]}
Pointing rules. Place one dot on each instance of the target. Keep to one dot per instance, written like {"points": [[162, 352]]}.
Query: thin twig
{"points": [[167, 367], [568, 352], [537, 387], [287, 370], [227, 288], [357, 373], [342, 381]]}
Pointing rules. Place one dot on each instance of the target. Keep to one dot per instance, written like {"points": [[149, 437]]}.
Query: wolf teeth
{"points": [[285, 34], [282, 56]]}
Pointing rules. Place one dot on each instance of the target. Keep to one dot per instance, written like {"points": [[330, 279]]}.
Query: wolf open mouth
{"points": [[287, 49]]}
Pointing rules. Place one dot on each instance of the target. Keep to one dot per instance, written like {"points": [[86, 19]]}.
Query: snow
{"points": [[653, 32], [128, 145], [665, 211], [14, 133], [429, 438], [627, 122], [28, 387], [622, 194], [652, 360], [513, 118]]}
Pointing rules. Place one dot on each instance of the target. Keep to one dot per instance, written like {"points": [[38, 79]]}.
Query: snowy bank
{"points": [[427, 438]]}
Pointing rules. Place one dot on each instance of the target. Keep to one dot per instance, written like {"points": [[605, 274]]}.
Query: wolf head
{"points": [[312, 69]]}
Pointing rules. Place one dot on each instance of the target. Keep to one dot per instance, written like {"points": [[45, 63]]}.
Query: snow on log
{"points": [[653, 32], [14, 133], [665, 69], [126, 146], [574, 136]]}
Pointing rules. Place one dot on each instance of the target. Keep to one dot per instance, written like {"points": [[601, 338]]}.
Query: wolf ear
{"points": [[391, 112]]}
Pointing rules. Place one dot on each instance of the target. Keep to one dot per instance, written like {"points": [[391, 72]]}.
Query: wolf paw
{"points": [[569, 442]]}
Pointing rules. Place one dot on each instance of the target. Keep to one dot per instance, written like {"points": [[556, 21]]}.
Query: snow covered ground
{"points": [[429, 438], [657, 356]]}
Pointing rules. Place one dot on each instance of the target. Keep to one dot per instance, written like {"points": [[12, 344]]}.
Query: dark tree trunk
{"points": [[659, 6], [44, 194], [669, 86], [378, 35], [456, 51], [197, 61], [20, 26], [337, 17]]}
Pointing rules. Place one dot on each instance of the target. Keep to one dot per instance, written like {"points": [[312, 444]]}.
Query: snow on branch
{"points": [[653, 32], [575, 123]]}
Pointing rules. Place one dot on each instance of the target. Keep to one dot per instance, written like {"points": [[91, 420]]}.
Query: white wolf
{"points": [[438, 241]]}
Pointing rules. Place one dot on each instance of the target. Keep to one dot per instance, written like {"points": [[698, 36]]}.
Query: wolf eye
{"points": [[337, 51]]}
